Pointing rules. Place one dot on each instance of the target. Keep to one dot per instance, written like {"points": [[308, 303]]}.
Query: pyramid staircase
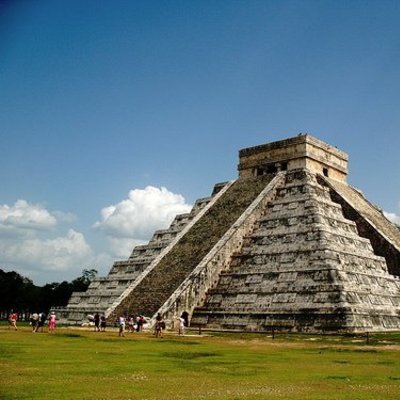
{"points": [[103, 292], [288, 245], [305, 268], [161, 280]]}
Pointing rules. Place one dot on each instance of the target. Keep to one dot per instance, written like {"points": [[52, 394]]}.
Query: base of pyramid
{"points": [[339, 320]]}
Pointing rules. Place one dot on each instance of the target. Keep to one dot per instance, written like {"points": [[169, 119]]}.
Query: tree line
{"points": [[20, 294]]}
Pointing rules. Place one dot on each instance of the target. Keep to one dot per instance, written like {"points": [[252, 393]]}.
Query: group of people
{"points": [[135, 324], [159, 327], [37, 321], [100, 322]]}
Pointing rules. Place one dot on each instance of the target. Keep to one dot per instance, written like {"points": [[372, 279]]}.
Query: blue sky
{"points": [[116, 115]]}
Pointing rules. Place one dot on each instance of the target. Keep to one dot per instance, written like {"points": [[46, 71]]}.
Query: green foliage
{"points": [[20, 294], [81, 283], [15, 290]]}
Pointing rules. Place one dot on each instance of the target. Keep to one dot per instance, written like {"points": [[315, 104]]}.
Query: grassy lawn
{"points": [[81, 364]]}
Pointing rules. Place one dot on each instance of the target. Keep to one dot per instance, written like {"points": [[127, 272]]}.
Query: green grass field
{"points": [[81, 364]]}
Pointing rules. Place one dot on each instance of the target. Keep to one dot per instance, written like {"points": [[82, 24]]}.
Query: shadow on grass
{"points": [[69, 335], [187, 355]]}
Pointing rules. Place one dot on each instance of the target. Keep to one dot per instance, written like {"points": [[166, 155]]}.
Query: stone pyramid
{"points": [[304, 268], [103, 292], [288, 245]]}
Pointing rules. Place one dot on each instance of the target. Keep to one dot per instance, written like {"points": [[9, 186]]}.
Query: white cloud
{"points": [[392, 217], [32, 244], [65, 217], [23, 216], [121, 248], [60, 253], [143, 212], [34, 241]]}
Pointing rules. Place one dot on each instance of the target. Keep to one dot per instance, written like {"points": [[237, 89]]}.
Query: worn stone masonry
{"points": [[103, 292], [158, 283], [289, 245], [305, 268]]}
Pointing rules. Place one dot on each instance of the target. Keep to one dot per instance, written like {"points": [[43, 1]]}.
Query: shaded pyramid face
{"points": [[304, 268]]}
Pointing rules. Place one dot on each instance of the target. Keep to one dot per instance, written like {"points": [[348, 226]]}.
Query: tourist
{"points": [[160, 326], [12, 320], [185, 316], [97, 322], [140, 321], [183, 322], [42, 317], [121, 322], [33, 321], [181, 326], [103, 323], [131, 323], [52, 322]]}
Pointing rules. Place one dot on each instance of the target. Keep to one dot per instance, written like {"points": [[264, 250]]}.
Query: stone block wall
{"points": [[159, 283], [370, 221], [305, 268], [192, 291], [104, 291], [288, 246]]}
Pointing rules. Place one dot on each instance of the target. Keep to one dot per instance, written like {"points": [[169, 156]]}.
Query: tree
{"points": [[81, 283], [10, 287], [17, 292], [20, 294]]}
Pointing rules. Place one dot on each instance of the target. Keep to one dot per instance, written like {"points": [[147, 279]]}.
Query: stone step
{"points": [[161, 282], [304, 255]]}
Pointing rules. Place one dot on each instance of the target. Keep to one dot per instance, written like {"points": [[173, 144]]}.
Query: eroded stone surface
{"points": [[289, 246], [305, 268], [103, 292]]}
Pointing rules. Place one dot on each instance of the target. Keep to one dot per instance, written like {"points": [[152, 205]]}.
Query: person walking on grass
{"points": [[121, 322], [52, 322], [181, 326], [160, 326], [97, 322], [183, 322], [12, 319], [42, 317], [131, 323], [139, 323], [34, 321], [103, 323]]}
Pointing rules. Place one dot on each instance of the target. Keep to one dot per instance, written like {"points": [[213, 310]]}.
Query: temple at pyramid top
{"points": [[302, 151]]}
